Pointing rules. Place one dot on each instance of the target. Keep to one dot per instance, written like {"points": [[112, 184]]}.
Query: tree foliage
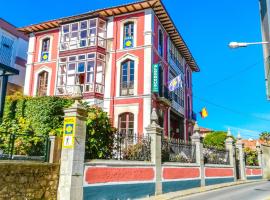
{"points": [[100, 134], [215, 139], [265, 136], [251, 157]]}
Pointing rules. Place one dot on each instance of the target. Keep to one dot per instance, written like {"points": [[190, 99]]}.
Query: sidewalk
{"points": [[182, 193]]}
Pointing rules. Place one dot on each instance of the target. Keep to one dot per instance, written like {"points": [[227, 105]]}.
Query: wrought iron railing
{"points": [[24, 147], [175, 150], [213, 155], [135, 147]]}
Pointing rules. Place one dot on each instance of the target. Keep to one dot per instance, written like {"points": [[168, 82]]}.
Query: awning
{"points": [[7, 71]]}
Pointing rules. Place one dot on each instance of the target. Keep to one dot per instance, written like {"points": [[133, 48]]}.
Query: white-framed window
{"points": [[127, 78], [86, 33], [45, 49], [86, 70], [6, 50], [128, 35]]}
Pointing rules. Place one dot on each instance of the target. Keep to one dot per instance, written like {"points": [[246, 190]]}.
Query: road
{"points": [[251, 191]]}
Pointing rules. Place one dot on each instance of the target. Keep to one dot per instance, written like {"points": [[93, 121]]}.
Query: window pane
{"points": [[92, 32], [101, 56], [90, 77], [83, 43], [92, 41], [84, 34], [99, 77], [81, 57], [91, 55], [80, 79], [71, 80], [84, 25], [81, 67], [61, 81], [63, 59], [90, 66], [66, 29], [71, 68], [62, 69], [72, 58], [93, 23], [74, 36], [102, 24], [100, 66], [74, 27]]}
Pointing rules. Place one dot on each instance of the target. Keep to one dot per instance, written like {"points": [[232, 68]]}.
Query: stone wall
{"points": [[28, 180]]}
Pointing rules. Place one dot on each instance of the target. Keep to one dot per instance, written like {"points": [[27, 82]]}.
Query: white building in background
{"points": [[13, 53]]}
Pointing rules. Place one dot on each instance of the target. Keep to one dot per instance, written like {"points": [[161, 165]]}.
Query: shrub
{"points": [[100, 134], [251, 157], [215, 139]]}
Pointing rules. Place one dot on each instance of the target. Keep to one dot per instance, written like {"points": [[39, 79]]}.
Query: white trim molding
{"points": [[118, 72], [122, 23], [127, 108], [42, 69], [40, 46]]}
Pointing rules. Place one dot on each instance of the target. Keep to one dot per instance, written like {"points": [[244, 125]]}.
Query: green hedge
{"points": [[31, 117]]}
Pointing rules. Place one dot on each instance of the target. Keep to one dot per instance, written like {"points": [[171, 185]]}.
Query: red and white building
{"points": [[111, 53]]}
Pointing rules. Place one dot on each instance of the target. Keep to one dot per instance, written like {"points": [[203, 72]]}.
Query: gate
{"points": [[237, 163]]}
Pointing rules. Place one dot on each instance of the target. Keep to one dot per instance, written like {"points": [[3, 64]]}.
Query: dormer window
{"points": [[128, 39], [45, 48]]}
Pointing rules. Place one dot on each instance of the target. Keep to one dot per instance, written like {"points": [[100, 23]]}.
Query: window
{"points": [[42, 83], [6, 48], [86, 33], [128, 39], [45, 48], [86, 70], [160, 42], [126, 124], [161, 81], [127, 78]]}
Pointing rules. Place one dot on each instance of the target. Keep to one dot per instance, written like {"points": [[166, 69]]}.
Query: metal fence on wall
{"points": [[213, 155], [136, 147], [24, 147], [175, 150]]}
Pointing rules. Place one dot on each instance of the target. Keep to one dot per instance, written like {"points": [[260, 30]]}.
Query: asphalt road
{"points": [[251, 191]]}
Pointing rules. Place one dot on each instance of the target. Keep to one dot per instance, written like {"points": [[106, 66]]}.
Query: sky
{"points": [[231, 82]]}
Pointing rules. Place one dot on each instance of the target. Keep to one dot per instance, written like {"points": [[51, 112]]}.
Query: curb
{"points": [[183, 193]]}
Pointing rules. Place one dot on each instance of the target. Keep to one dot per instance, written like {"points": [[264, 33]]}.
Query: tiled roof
{"points": [[156, 5]]}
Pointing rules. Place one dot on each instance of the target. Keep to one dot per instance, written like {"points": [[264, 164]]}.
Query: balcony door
{"points": [[42, 83]]}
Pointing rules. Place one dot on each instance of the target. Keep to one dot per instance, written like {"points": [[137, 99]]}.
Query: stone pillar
{"points": [[259, 151], [155, 132], [197, 141], [72, 157], [55, 149], [230, 147], [241, 154]]}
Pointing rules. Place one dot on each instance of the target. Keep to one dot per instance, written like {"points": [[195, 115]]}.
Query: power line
{"points": [[235, 74], [230, 109]]}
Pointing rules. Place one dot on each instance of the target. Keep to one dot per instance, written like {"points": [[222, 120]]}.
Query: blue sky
{"points": [[231, 82]]}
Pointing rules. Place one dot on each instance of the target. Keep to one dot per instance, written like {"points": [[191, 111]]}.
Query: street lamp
{"points": [[234, 45]]}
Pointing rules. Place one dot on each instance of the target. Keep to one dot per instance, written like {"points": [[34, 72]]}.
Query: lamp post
{"points": [[234, 45]]}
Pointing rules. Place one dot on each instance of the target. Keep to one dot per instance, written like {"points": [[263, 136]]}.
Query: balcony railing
{"points": [[165, 93]]}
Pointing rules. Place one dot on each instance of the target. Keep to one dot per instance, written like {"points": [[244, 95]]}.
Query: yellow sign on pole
{"points": [[69, 132]]}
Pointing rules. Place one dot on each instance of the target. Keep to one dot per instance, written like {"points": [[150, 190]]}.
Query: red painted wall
{"points": [[95, 175], [250, 172], [218, 172], [180, 173]]}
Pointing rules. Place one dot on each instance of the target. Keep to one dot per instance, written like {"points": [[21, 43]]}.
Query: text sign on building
{"points": [[69, 132], [155, 78]]}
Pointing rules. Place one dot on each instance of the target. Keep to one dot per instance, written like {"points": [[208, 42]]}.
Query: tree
{"points": [[99, 134], [215, 139], [265, 136]]}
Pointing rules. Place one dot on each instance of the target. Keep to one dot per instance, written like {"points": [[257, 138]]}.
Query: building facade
{"points": [[13, 53], [123, 58]]}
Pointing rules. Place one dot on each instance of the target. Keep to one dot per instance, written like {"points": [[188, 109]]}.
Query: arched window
{"points": [[160, 42], [45, 48], [127, 78], [128, 38], [42, 83], [126, 124]]}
